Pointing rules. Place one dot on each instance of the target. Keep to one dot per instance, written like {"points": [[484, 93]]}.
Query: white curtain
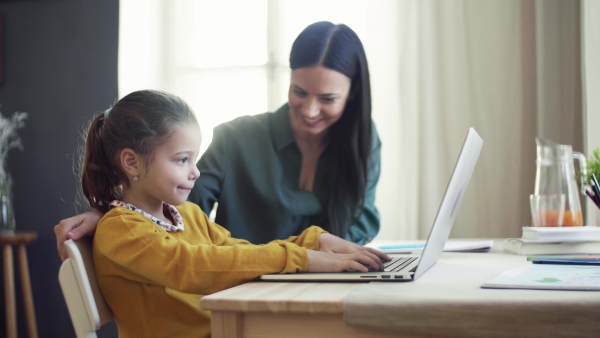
{"points": [[590, 43], [511, 70]]}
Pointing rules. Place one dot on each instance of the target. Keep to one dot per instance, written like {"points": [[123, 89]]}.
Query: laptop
{"points": [[405, 268]]}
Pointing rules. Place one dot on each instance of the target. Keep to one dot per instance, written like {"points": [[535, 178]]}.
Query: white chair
{"points": [[77, 277]]}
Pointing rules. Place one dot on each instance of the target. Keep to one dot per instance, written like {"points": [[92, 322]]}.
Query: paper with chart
{"points": [[548, 276]]}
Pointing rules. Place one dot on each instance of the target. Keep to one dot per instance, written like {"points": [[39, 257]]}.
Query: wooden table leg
{"points": [[27, 294], [9, 292], [226, 324], [19, 239]]}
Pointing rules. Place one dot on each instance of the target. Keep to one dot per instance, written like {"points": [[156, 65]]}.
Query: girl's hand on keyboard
{"points": [[333, 244], [319, 261]]}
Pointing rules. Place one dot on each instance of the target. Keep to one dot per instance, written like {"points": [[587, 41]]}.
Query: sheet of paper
{"points": [[548, 276], [451, 245]]}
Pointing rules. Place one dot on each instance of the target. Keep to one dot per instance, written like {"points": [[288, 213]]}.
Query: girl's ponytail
{"points": [[99, 180]]}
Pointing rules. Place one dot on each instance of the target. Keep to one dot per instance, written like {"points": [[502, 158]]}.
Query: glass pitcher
{"points": [[556, 175]]}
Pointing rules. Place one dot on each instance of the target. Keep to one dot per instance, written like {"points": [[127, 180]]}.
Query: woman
{"points": [[315, 161]]}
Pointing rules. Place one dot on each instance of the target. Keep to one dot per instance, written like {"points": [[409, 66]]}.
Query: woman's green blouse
{"points": [[252, 169]]}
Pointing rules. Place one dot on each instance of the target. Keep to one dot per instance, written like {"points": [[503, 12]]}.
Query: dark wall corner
{"points": [[59, 64]]}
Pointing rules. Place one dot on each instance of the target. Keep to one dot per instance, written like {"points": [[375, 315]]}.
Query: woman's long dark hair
{"points": [[337, 47], [140, 121]]}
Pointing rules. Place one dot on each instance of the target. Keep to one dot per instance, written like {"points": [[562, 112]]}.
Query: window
{"points": [[226, 58]]}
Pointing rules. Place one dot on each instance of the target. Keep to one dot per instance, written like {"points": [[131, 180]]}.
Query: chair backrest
{"points": [[77, 277]]}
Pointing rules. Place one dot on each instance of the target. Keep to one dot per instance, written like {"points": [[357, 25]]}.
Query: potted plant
{"points": [[9, 139], [593, 166]]}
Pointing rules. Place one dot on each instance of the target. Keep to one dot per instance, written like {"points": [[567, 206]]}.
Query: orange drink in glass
{"points": [[548, 210]]}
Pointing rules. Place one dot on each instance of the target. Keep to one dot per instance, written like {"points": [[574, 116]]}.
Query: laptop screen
{"points": [[461, 175]]}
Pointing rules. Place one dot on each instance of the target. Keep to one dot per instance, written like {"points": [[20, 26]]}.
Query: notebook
{"points": [[404, 268]]}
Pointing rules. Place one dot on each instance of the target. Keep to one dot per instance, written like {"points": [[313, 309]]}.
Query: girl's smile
{"points": [[169, 175]]}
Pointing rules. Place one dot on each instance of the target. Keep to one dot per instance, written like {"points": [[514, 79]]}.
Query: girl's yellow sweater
{"points": [[153, 280]]}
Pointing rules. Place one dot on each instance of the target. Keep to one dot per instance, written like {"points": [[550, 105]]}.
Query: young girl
{"points": [[155, 253]]}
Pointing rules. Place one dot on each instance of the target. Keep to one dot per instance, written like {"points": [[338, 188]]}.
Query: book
{"points": [[571, 233], [450, 246], [544, 247], [547, 277], [591, 260]]}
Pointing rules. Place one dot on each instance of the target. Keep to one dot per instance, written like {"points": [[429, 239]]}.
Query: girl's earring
{"points": [[135, 178]]}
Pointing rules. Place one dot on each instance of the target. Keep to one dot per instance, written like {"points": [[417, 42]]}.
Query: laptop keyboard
{"points": [[398, 263]]}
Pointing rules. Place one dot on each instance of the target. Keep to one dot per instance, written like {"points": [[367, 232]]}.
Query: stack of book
{"points": [[555, 241]]}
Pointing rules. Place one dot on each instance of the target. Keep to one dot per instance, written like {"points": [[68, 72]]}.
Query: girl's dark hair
{"points": [[140, 121], [337, 47]]}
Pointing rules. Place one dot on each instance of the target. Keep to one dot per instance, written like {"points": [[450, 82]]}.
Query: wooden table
{"points": [[445, 301], [266, 309], [20, 240]]}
